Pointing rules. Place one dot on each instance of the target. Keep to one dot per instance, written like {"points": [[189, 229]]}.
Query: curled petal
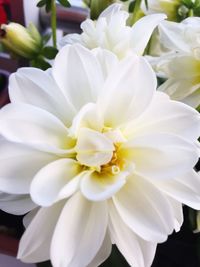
{"points": [[101, 186], [142, 31], [88, 117], [93, 148]]}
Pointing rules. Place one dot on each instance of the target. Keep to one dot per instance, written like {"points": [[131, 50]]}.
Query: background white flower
{"points": [[110, 32], [180, 62], [16, 204], [107, 157]]}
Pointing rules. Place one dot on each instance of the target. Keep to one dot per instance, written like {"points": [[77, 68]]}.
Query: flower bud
{"points": [[21, 41]]}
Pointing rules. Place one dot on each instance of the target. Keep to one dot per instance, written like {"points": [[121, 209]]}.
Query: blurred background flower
{"points": [[179, 59]]}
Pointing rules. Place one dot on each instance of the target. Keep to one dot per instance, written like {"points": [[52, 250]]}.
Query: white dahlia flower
{"points": [[108, 159], [180, 63], [110, 32]]}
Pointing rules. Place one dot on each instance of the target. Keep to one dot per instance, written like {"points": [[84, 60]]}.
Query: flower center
{"points": [[100, 151], [115, 165]]}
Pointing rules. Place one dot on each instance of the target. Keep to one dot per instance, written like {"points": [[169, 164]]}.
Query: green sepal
{"points": [[46, 38], [49, 52], [40, 63]]}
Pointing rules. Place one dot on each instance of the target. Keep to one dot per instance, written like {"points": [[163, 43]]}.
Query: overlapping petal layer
{"points": [[114, 162]]}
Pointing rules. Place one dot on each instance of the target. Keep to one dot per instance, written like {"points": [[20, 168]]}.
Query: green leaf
{"points": [[197, 8], [48, 6], [64, 3], [131, 6], [197, 3], [41, 3], [49, 52], [197, 12], [187, 3]]}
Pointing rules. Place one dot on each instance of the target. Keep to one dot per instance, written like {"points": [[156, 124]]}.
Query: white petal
{"points": [[70, 39], [36, 127], [36, 87], [172, 36], [160, 155], [137, 252], [101, 186], [16, 204], [193, 99], [142, 31], [79, 233], [188, 65], [178, 213], [110, 11], [93, 148], [55, 181], [149, 251], [27, 219], [128, 91], [145, 209], [107, 60], [88, 117], [35, 243], [19, 164], [166, 116], [103, 253], [185, 189], [78, 74]]}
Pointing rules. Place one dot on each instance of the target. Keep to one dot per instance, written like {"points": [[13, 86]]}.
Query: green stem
{"points": [[191, 13], [134, 16], [53, 22]]}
